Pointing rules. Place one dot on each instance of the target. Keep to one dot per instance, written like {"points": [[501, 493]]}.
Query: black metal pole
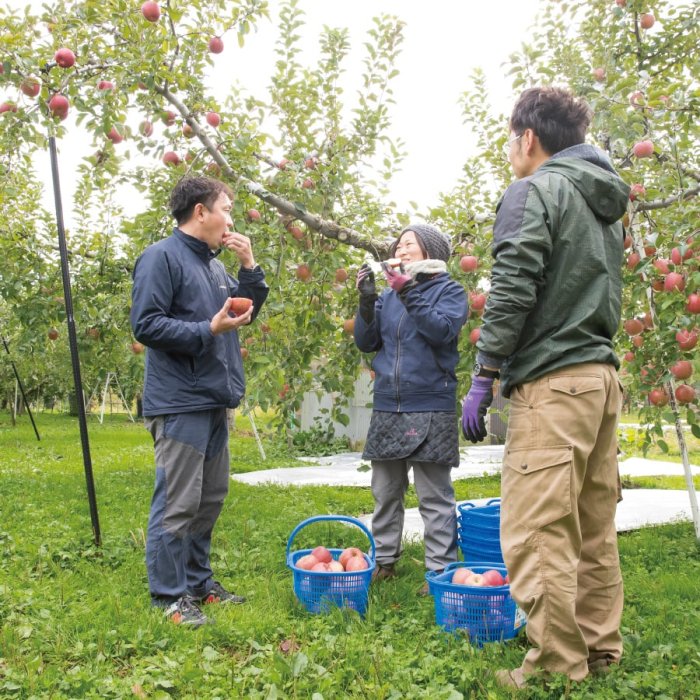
{"points": [[21, 388], [75, 360]]}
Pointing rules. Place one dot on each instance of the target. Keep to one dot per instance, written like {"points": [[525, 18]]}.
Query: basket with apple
{"points": [[475, 598], [326, 577]]}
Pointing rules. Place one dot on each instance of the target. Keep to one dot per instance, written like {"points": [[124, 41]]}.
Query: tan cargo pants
{"points": [[559, 496]]}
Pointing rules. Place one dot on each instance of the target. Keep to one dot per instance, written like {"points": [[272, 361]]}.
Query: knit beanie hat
{"points": [[436, 243]]}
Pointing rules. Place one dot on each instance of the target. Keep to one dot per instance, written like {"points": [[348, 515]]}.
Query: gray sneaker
{"points": [[184, 611], [218, 594]]}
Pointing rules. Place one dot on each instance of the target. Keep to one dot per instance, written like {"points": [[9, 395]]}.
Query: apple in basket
{"points": [[348, 553], [322, 554], [335, 567], [320, 566], [461, 575], [356, 563], [307, 562], [475, 580], [493, 578]]}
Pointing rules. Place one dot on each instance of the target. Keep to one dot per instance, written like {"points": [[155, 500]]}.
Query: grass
{"points": [[76, 622]]}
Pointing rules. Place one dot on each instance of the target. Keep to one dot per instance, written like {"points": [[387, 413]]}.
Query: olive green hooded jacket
{"points": [[556, 281]]}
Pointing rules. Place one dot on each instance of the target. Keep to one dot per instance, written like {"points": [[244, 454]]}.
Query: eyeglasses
{"points": [[506, 145]]}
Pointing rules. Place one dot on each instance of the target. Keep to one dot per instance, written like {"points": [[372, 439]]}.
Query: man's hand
{"points": [[365, 283], [240, 245], [474, 409], [396, 279], [223, 322]]}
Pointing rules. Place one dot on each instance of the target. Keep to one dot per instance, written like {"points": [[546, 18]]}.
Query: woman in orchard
{"points": [[413, 328]]}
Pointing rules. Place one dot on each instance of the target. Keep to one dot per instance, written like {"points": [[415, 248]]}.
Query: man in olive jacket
{"points": [[553, 309]]}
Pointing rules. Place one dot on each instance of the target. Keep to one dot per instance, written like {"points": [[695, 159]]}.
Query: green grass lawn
{"points": [[76, 622]]}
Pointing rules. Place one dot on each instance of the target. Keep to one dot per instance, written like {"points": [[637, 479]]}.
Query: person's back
{"points": [[553, 309]]}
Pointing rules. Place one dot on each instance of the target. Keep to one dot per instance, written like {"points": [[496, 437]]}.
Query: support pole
{"points": [[247, 410], [75, 360], [21, 388]]}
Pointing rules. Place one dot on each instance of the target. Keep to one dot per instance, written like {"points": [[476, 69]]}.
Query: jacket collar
{"points": [[200, 248]]}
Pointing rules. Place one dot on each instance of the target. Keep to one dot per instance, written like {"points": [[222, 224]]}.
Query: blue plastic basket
{"points": [[478, 531], [319, 591], [485, 613]]}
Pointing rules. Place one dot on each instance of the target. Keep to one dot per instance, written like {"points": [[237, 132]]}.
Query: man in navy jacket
{"points": [[194, 373]]}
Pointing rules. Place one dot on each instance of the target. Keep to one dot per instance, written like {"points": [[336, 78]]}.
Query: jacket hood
{"points": [[590, 171]]}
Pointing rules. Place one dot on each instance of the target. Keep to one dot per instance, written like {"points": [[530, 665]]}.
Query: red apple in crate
{"points": [[461, 575], [356, 563], [348, 553], [474, 580], [492, 577], [307, 562], [239, 305], [335, 567], [322, 554]]}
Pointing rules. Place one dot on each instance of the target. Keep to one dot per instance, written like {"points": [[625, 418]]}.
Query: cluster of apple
{"points": [[321, 560], [466, 577]]}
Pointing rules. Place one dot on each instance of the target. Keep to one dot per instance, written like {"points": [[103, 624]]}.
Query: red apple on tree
{"points": [[685, 393], [628, 356], [674, 282], [477, 301], [53, 334], [636, 98], [638, 341], [171, 158], [282, 165], [58, 106], [151, 11], [678, 258], [114, 136], [308, 184], [647, 20], [146, 128], [168, 117], [643, 149], [187, 131], [628, 241], [341, 274], [662, 265], [682, 369], [310, 163], [30, 86], [65, 58], [599, 74], [296, 232], [474, 336], [8, 107], [349, 326], [687, 339], [303, 272], [253, 215], [105, 85], [637, 190], [658, 397], [633, 260], [216, 44], [693, 305], [213, 119], [469, 263], [633, 326]]}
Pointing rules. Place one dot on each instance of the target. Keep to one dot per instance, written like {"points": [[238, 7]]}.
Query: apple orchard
{"points": [[310, 168]]}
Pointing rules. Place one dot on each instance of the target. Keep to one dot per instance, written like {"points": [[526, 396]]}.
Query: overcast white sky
{"points": [[444, 40]]}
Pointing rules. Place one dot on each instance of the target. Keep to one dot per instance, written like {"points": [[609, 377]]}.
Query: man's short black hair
{"points": [[195, 190], [558, 118]]}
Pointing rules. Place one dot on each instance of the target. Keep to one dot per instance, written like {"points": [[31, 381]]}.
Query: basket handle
{"points": [[321, 518], [492, 501]]}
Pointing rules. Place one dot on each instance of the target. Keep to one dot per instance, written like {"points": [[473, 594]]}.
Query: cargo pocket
{"points": [[538, 484], [576, 385]]}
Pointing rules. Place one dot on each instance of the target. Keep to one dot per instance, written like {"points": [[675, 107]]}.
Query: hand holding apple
{"points": [[223, 322]]}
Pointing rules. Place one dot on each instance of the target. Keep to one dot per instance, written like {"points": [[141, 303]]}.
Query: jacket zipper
{"points": [[398, 360]]}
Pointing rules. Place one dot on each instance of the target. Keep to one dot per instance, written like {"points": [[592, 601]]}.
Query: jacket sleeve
{"points": [[367, 335], [438, 322], [250, 284], [522, 245], [155, 281]]}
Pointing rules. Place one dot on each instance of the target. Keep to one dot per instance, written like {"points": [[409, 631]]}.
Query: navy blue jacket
{"points": [[179, 286], [416, 344]]}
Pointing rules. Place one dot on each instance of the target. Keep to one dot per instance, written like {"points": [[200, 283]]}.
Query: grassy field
{"points": [[76, 620]]}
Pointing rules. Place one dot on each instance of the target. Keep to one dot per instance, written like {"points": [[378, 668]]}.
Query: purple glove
{"points": [[396, 279], [474, 408]]}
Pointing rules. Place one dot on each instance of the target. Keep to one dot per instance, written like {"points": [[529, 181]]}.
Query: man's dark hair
{"points": [[558, 118], [195, 190]]}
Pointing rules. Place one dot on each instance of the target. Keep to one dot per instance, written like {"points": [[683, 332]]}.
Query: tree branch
{"points": [[329, 229], [664, 203]]}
